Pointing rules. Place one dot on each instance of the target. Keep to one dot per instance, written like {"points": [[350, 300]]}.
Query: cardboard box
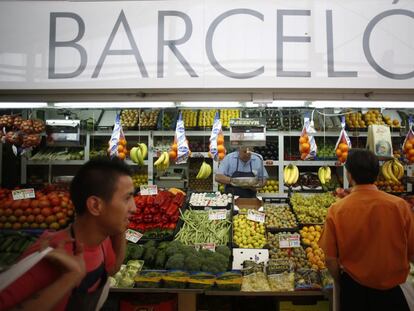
{"points": [[248, 203]]}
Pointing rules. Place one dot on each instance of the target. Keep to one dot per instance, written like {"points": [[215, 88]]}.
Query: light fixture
{"points": [[288, 104], [99, 105], [22, 105], [362, 104], [212, 104]]}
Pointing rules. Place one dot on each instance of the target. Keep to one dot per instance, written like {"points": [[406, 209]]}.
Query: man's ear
{"points": [[94, 205]]}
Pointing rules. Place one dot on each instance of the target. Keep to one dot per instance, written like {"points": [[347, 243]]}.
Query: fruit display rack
{"points": [[278, 152]]}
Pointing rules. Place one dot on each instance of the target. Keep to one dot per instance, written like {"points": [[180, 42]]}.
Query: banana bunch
{"points": [[205, 171], [393, 170], [163, 161], [139, 153], [290, 174], [324, 174]]}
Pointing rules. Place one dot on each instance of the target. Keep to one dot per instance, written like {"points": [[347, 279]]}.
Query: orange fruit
{"points": [[122, 142], [305, 147], [343, 147], [411, 140], [39, 219], [303, 140], [221, 155], [338, 152], [220, 148], [220, 140], [18, 212], [54, 226], [46, 211], [410, 152], [172, 154], [17, 226], [410, 159], [121, 155], [408, 146], [174, 147], [120, 148], [50, 219]]}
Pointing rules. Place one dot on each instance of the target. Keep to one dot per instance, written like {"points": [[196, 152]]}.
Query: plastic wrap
{"points": [[343, 144], [217, 149], [307, 143], [183, 150], [408, 145]]}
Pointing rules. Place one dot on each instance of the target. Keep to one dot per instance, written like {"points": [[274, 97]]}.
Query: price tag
{"points": [[133, 236], [217, 214], [207, 246], [22, 194], [148, 189], [294, 240], [289, 241], [256, 216]]}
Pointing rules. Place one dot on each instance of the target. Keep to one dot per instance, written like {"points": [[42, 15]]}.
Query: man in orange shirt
{"points": [[368, 240]]}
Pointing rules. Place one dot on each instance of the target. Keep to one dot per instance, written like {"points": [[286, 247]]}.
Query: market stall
{"points": [[175, 91]]}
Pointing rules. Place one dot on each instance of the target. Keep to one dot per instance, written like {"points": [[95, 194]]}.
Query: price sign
{"points": [[256, 216], [289, 241], [22, 194], [217, 214], [133, 236], [148, 189], [207, 246]]}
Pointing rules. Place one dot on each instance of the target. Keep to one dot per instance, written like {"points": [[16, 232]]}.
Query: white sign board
{"points": [[206, 44]]}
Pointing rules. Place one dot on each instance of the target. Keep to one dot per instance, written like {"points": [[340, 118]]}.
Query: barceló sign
{"points": [[214, 44]]}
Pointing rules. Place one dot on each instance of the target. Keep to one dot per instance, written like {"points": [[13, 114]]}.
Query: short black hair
{"points": [[363, 165], [97, 177]]}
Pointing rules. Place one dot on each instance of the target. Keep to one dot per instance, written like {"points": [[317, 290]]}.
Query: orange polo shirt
{"points": [[372, 235]]}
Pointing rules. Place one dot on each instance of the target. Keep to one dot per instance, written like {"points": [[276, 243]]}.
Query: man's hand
{"points": [[73, 265]]}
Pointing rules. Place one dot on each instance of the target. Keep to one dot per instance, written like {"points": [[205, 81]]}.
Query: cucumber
{"points": [[6, 243]]}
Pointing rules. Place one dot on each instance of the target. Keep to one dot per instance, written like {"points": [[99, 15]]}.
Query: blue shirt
{"points": [[229, 164]]}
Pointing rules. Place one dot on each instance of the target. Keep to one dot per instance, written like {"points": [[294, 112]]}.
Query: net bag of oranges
{"points": [[408, 146], [343, 144], [307, 143], [117, 143], [217, 150]]}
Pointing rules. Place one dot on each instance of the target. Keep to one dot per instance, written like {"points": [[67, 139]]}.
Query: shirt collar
{"points": [[364, 188]]}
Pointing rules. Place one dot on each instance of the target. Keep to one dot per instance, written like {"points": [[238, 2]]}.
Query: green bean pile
{"points": [[197, 228]]}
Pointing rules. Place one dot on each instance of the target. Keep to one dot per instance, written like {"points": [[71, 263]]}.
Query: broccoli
{"points": [[160, 259], [175, 262], [188, 250], [192, 263], [150, 243], [224, 250], [135, 251], [149, 256], [215, 263], [173, 248], [163, 245]]}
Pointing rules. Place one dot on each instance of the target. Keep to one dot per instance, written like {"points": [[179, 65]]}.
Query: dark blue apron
{"points": [[241, 192], [80, 299]]}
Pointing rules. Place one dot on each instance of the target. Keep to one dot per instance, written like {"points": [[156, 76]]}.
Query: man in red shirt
{"points": [[74, 275], [368, 240]]}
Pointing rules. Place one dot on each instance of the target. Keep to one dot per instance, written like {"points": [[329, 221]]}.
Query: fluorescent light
{"points": [[209, 105], [22, 105], [98, 105], [288, 103], [362, 104]]}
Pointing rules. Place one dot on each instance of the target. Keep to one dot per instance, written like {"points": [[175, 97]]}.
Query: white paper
{"points": [[133, 236], [22, 194], [256, 216], [218, 214], [148, 189]]}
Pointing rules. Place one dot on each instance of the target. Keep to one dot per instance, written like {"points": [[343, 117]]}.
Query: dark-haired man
{"points": [[74, 276], [368, 240]]}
